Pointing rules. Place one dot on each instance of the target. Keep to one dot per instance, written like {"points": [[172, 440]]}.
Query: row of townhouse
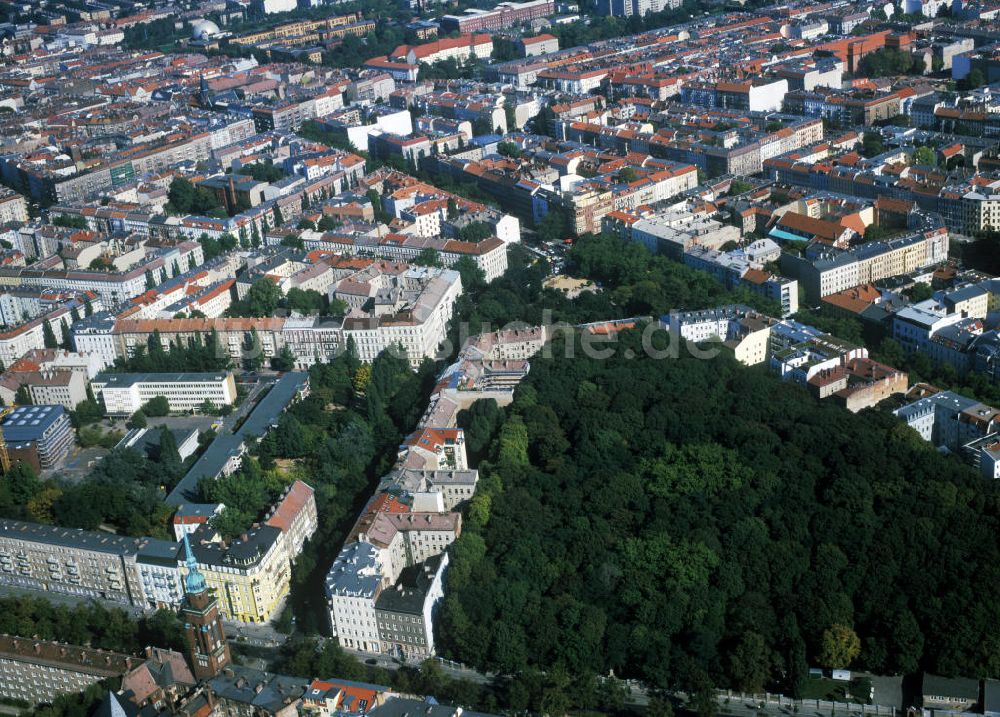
{"points": [[969, 207], [695, 240], [957, 424], [291, 114], [43, 184], [250, 575], [114, 288], [385, 586], [825, 271], [19, 339], [490, 254], [419, 327], [744, 158], [825, 365]]}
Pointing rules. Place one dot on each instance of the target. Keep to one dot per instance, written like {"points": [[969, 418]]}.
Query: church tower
{"points": [[204, 93], [207, 648]]}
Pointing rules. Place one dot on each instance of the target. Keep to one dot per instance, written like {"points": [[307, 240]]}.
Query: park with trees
{"points": [[716, 527]]}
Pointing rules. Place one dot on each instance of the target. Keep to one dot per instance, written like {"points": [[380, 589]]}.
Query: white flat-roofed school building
{"points": [[125, 393]]}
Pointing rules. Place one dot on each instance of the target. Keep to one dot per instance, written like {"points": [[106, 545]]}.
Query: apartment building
{"points": [[250, 575], [459, 49], [833, 272], [739, 329], [290, 115], [972, 207], [125, 393], [234, 335], [95, 336], [41, 435], [13, 208], [38, 671], [504, 15], [294, 515], [431, 490], [114, 288], [61, 387], [87, 365], [405, 611], [66, 184], [760, 95], [949, 420], [353, 584], [72, 562], [490, 254]]}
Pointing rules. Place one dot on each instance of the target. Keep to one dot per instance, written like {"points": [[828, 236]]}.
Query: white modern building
{"points": [[125, 393]]}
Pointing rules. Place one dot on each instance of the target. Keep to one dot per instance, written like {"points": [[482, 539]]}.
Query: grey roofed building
{"points": [[991, 697], [229, 446], [265, 691], [74, 538], [410, 591], [147, 441], [120, 380], [245, 550], [158, 552], [940, 692], [355, 571], [29, 423]]}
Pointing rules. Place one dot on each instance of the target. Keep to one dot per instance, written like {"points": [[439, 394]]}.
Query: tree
{"points": [[88, 307], [871, 144], [157, 406], [278, 218], [67, 339], [362, 377], [920, 291], [181, 194], [22, 397], [553, 227], [262, 171], [509, 149], [261, 300], [427, 257], [840, 646], [167, 454], [284, 361], [49, 336], [925, 156], [305, 301], [137, 420], [70, 222], [627, 175], [973, 80], [253, 351], [750, 663]]}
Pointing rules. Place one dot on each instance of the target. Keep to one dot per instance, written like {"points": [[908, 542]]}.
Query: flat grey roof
{"points": [[227, 445], [74, 538], [121, 380]]}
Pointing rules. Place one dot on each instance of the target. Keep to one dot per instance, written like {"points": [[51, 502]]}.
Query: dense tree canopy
{"points": [[696, 522], [261, 300], [197, 356]]}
